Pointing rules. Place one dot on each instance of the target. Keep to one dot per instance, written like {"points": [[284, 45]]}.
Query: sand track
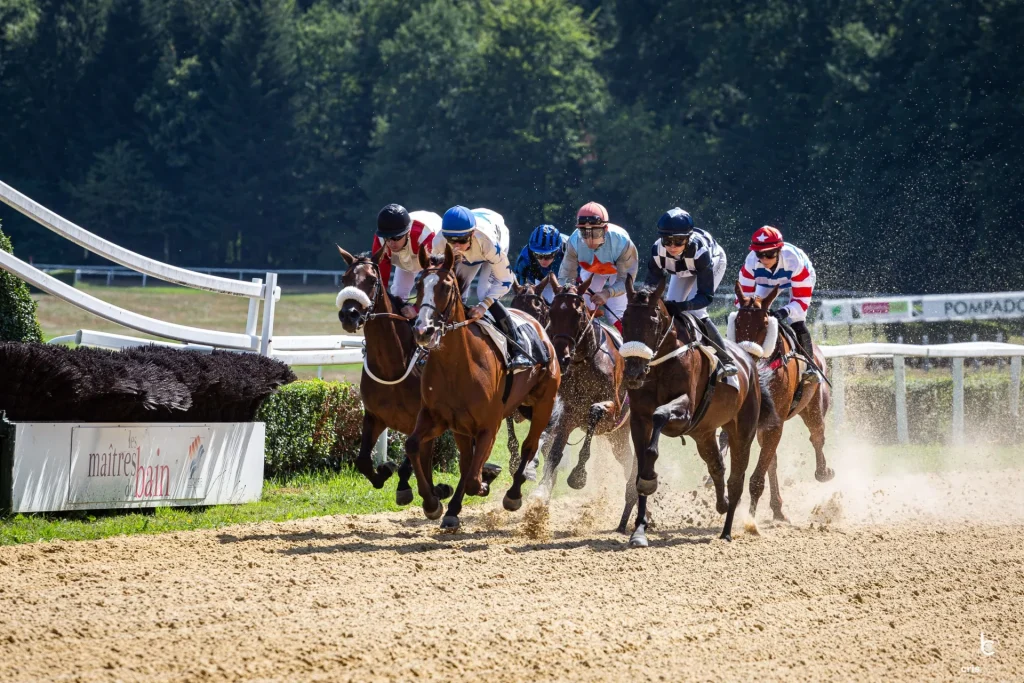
{"points": [[387, 597]]}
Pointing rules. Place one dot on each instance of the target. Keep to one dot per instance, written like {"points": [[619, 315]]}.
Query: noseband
{"points": [[374, 297], [444, 327], [584, 327]]}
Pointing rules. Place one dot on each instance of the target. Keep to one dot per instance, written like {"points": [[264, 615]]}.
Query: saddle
{"points": [[533, 345], [689, 322]]}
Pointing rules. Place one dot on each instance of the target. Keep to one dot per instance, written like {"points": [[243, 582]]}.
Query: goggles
{"points": [[590, 220], [766, 255], [675, 240], [458, 239]]}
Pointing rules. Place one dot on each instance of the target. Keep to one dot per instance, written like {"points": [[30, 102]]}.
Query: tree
{"points": [[17, 308]]}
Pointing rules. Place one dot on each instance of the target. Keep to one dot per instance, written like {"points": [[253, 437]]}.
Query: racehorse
{"points": [[672, 390], [757, 333], [591, 395], [390, 382], [529, 298], [466, 388]]}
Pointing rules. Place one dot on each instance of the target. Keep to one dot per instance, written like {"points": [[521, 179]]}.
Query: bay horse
{"points": [[529, 298], [390, 382], [592, 395], [466, 388], [757, 333], [670, 392]]}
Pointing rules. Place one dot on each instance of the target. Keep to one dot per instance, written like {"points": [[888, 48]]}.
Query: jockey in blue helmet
{"points": [[542, 255]]}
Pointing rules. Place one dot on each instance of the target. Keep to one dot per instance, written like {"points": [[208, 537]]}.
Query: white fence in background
{"points": [[112, 272], [899, 352]]}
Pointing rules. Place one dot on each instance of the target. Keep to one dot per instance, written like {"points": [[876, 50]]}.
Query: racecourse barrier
{"points": [[899, 352]]}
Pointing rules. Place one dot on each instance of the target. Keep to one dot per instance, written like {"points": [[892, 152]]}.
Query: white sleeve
{"points": [[402, 283]]}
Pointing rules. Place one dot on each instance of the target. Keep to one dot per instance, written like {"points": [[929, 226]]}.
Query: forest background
{"points": [[886, 137]]}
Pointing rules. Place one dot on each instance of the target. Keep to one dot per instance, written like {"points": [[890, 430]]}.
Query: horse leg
{"points": [[814, 417], [707, 449], [467, 454], [539, 419], [640, 429], [578, 477], [675, 413], [513, 443], [769, 440], [742, 433], [419, 451], [556, 448], [620, 447], [776, 497], [372, 429]]}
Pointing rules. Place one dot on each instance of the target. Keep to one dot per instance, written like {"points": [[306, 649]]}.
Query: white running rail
{"points": [[899, 352]]}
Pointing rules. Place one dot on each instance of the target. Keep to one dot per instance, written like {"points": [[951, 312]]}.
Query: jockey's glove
{"points": [[780, 314]]}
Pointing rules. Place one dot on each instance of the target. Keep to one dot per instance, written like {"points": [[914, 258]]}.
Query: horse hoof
{"points": [[638, 539], [577, 480], [443, 491], [621, 528], [450, 523], [433, 514], [511, 504], [824, 475], [540, 493], [403, 496], [646, 487], [490, 472], [778, 516], [726, 537]]}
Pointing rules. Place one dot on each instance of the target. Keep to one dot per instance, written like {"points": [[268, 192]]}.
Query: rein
{"points": [[583, 329]]}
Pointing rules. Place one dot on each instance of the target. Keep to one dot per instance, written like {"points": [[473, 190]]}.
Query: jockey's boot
{"points": [[518, 361], [726, 365], [803, 335]]}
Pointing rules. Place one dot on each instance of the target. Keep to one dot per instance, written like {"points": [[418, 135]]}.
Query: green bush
{"points": [[315, 425], [871, 406], [17, 308]]}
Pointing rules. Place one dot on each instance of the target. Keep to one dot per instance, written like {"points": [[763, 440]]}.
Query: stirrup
{"points": [[727, 368], [810, 376], [519, 362]]}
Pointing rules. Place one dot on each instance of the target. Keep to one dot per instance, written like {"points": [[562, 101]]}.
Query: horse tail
{"points": [[768, 417]]}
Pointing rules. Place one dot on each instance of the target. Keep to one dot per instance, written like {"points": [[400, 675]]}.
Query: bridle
{"points": [[441, 320], [378, 290], [584, 327], [776, 351], [541, 303], [678, 351]]}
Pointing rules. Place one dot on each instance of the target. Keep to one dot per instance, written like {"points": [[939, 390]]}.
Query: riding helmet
{"points": [[393, 221], [675, 222], [766, 238], [457, 220], [592, 210], [545, 239]]}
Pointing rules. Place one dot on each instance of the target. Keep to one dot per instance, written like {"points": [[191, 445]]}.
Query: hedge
{"points": [[315, 425], [17, 308], [871, 407]]}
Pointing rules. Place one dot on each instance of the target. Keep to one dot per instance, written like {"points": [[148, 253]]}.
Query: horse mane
{"points": [[642, 293]]}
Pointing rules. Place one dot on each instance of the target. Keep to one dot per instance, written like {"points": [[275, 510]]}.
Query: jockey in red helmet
{"points": [[773, 262]]}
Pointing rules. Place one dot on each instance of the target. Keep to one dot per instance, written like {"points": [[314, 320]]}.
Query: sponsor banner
{"points": [[138, 464], [870, 311], [974, 306]]}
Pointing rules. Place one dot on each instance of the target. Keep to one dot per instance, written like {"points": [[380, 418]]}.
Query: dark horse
{"points": [[757, 333], [390, 383], [464, 389], [668, 377], [530, 298], [591, 397]]}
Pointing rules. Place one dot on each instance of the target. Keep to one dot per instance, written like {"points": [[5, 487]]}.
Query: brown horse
{"points": [[530, 299], [757, 333], [591, 396], [464, 389], [668, 377], [390, 382]]}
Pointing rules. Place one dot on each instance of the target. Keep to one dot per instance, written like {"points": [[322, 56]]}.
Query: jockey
{"points": [[481, 238], [605, 251], [403, 234], [541, 256], [695, 265], [772, 263]]}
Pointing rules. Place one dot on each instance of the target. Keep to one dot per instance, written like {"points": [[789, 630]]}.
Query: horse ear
{"points": [[585, 285], [629, 285], [739, 294], [449, 257], [347, 257], [549, 281], [516, 287], [767, 302], [660, 289], [377, 256], [424, 258]]}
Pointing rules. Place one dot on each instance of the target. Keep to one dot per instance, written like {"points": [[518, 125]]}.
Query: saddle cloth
{"points": [[533, 345]]}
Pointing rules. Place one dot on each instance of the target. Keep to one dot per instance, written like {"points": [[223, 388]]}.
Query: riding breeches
{"points": [[685, 288], [616, 305]]}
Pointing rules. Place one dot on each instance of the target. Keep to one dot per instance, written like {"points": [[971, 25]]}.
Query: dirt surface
{"points": [[893, 578]]}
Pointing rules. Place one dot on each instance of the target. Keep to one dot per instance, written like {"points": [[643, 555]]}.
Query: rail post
{"points": [[1015, 387], [902, 432], [266, 341], [958, 401], [380, 450], [253, 316], [838, 393]]}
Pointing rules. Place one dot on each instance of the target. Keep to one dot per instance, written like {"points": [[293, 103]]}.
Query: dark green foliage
{"points": [[874, 132], [315, 425], [17, 309]]}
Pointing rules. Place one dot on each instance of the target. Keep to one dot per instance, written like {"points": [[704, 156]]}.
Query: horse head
{"points": [[438, 294], [361, 288], [751, 326], [529, 298], [646, 325], [570, 321]]}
